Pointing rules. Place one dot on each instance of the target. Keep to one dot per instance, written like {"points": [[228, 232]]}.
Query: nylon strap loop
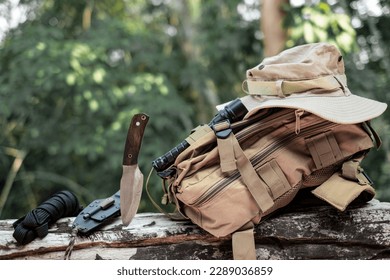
{"points": [[226, 154], [274, 177], [197, 133], [285, 87], [225, 137], [243, 243], [255, 185], [279, 88], [324, 149], [232, 157], [351, 170]]}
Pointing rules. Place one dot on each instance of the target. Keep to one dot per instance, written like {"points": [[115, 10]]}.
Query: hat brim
{"points": [[338, 109]]}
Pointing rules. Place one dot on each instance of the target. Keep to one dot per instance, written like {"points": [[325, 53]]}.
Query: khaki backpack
{"points": [[257, 153]]}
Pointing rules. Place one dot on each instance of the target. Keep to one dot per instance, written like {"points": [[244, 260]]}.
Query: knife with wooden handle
{"points": [[132, 178]]}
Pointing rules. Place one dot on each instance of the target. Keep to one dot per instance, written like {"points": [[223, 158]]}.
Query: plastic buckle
{"points": [[222, 129], [167, 173]]}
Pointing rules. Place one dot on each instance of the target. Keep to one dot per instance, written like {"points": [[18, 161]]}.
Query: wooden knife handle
{"points": [[134, 138]]}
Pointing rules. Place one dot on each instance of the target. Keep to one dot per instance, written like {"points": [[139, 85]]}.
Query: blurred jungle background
{"points": [[73, 73]]}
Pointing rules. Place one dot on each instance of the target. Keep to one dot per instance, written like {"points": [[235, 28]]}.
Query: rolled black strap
{"points": [[36, 222]]}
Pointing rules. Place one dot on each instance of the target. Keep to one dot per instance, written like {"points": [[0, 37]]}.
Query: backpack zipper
{"points": [[257, 159], [260, 126]]}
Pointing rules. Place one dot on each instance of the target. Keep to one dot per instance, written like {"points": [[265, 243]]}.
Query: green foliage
{"points": [[228, 48], [318, 23], [69, 102], [73, 75], [75, 72]]}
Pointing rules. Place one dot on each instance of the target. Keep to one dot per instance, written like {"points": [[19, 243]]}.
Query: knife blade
{"points": [[131, 183]]}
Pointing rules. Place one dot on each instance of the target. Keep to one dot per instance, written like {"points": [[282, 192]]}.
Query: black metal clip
{"points": [[98, 213]]}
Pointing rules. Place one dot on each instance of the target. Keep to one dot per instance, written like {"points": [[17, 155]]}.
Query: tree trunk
{"points": [[271, 25]]}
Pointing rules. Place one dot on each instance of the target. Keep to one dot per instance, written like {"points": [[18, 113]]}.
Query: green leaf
{"points": [[345, 41], [308, 32], [320, 20], [344, 22], [321, 34]]}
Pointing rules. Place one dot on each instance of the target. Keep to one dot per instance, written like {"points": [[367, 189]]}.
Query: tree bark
{"points": [[305, 233], [271, 25]]}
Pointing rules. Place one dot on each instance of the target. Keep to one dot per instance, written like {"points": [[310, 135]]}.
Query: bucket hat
{"points": [[310, 77]]}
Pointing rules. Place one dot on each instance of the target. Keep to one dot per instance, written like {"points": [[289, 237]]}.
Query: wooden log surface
{"points": [[305, 233]]}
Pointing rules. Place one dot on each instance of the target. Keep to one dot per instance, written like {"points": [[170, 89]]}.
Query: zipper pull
{"points": [[298, 114]]}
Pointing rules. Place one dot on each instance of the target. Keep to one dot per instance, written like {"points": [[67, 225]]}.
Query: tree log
{"points": [[302, 233]]}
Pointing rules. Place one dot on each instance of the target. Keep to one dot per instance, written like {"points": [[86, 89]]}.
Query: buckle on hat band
{"points": [[283, 88]]}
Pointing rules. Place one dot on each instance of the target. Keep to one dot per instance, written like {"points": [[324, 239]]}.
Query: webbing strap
{"points": [[324, 149], [274, 177], [225, 136], [284, 87], [226, 154], [351, 170], [243, 243], [253, 182], [198, 133], [232, 157]]}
